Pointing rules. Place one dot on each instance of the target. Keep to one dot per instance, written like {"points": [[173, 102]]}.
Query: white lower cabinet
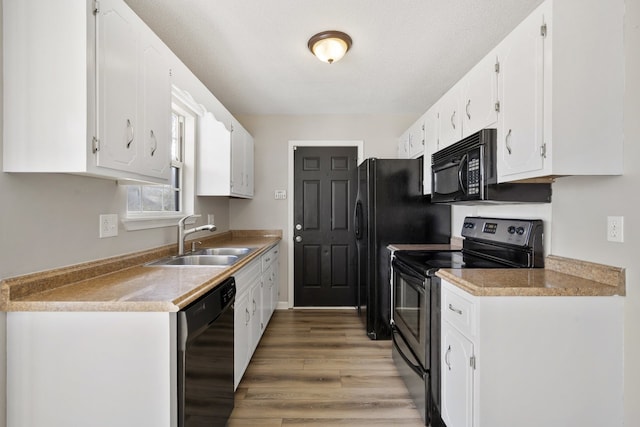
{"points": [[255, 284], [457, 378], [91, 369], [530, 361]]}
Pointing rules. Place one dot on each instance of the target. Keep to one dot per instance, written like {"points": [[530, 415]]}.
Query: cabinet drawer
{"points": [[458, 310], [269, 257]]}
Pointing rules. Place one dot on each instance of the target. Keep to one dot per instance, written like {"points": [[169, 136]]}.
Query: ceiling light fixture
{"points": [[330, 46]]}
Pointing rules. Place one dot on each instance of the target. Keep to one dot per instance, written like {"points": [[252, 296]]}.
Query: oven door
{"points": [[411, 306]]}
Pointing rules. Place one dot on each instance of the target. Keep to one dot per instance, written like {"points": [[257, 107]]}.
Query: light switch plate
{"points": [[108, 225]]}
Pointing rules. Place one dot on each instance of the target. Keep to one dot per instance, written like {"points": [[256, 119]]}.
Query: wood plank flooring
{"points": [[318, 368]]}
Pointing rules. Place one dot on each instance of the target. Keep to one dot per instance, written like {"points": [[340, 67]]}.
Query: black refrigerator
{"points": [[390, 208]]}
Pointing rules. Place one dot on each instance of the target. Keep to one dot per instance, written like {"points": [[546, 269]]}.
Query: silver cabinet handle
{"points": [[254, 306], [507, 141], [467, 109], [298, 239], [446, 358], [155, 142], [455, 310], [453, 124], [131, 133], [298, 227], [248, 316]]}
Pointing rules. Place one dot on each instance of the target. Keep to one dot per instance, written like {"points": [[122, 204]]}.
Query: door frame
{"points": [[288, 235]]}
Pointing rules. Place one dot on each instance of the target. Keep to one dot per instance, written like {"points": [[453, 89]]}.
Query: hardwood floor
{"points": [[318, 368]]}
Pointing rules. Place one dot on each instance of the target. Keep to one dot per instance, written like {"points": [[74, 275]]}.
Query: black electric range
{"points": [[488, 243]]}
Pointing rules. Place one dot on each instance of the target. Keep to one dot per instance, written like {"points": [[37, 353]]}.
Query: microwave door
{"points": [[446, 179]]}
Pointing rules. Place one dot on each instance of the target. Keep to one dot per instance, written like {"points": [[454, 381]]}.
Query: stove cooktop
{"points": [[427, 262]]}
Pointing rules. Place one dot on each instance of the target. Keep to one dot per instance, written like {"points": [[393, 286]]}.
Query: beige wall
{"points": [[272, 135]]}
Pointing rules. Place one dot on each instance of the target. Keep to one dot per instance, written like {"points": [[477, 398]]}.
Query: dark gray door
{"points": [[324, 248]]}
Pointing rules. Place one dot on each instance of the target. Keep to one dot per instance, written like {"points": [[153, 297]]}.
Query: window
{"points": [[161, 199]]}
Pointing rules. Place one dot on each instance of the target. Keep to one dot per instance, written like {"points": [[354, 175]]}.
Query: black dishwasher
{"points": [[205, 358]]}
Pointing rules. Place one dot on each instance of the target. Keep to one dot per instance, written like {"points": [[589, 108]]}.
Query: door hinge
{"points": [[496, 106], [95, 145], [472, 362], [543, 30], [543, 150], [497, 67], [96, 7]]}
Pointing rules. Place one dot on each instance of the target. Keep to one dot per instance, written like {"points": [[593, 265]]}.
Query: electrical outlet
{"points": [[615, 229], [108, 225], [280, 194], [211, 219]]}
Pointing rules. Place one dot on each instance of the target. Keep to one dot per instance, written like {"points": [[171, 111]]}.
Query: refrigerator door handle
{"points": [[357, 220]]}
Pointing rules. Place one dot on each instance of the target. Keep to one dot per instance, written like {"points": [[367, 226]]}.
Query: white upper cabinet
{"points": [[99, 95], [480, 96], [450, 116], [403, 145], [430, 145], [561, 86], [224, 160], [520, 134], [416, 139]]}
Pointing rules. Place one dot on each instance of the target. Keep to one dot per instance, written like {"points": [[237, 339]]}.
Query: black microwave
{"points": [[466, 173]]}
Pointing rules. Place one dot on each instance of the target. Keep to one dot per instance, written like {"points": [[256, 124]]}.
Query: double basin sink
{"points": [[220, 257]]}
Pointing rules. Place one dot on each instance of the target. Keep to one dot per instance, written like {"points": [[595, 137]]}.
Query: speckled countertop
{"points": [[560, 277], [125, 284]]}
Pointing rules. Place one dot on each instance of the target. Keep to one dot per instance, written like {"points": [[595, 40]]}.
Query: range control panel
{"points": [[517, 232]]}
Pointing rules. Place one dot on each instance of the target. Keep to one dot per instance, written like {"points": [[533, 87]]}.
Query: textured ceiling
{"points": [[253, 55]]}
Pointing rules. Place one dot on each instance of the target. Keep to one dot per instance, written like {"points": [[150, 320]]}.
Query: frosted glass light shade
{"points": [[330, 46]]}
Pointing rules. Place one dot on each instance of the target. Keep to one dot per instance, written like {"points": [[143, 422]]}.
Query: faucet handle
{"points": [[184, 219], [194, 244]]}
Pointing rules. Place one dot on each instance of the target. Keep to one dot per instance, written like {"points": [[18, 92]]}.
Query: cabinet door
{"points": [[416, 139], [457, 378], [248, 164], [403, 145], [213, 173], [255, 307], [155, 108], [430, 145], [521, 99], [237, 161], [242, 319], [480, 96], [450, 117], [117, 46]]}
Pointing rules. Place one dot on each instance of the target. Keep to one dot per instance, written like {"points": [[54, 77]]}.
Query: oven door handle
{"points": [[401, 269], [415, 367]]}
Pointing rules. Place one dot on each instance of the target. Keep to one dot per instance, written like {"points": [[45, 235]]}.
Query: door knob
{"points": [[298, 239], [298, 227]]}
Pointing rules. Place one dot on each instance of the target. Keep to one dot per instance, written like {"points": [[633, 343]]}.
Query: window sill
{"points": [[134, 223]]}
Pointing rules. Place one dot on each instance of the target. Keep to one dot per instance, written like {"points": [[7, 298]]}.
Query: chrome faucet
{"points": [[182, 233]]}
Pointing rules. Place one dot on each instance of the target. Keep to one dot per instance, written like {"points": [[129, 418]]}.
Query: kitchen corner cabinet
{"points": [[225, 159], [554, 120], [98, 90], [530, 361], [255, 284]]}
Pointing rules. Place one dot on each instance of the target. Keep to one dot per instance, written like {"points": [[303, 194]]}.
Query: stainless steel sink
{"points": [[197, 260], [223, 251]]}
